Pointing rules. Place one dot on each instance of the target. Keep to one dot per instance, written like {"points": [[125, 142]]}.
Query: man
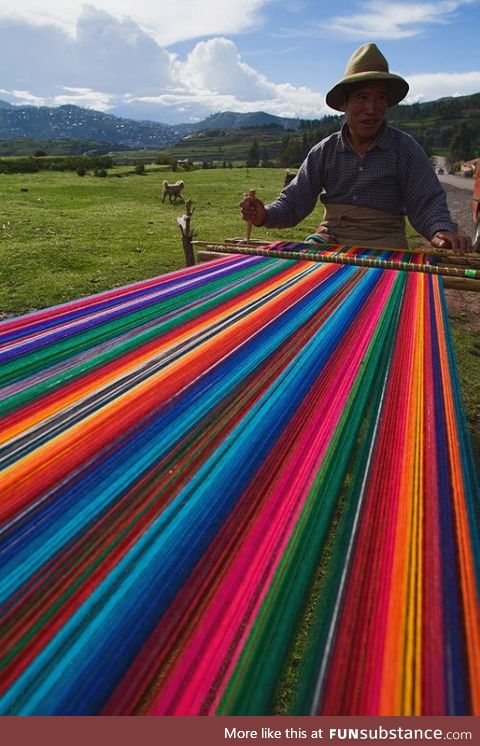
{"points": [[368, 175], [476, 209]]}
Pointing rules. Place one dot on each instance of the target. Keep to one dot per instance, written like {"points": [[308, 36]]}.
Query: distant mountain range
{"points": [[95, 130], [49, 123], [42, 123]]}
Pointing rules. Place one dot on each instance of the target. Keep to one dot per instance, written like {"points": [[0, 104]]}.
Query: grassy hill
{"points": [[436, 124], [226, 144], [236, 120], [26, 146]]}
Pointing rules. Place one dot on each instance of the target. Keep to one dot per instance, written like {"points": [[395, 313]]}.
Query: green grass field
{"points": [[233, 144], [71, 236]]}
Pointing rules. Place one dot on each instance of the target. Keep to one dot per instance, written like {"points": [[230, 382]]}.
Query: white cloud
{"points": [[215, 65], [199, 96], [287, 101], [167, 22], [84, 97], [107, 54], [117, 55], [26, 98], [214, 78], [431, 86], [113, 64], [396, 20], [78, 96]]}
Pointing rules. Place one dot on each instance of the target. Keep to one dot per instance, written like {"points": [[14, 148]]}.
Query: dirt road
{"points": [[463, 305], [460, 182]]}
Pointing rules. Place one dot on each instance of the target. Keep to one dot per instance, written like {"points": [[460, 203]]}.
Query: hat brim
{"points": [[397, 88]]}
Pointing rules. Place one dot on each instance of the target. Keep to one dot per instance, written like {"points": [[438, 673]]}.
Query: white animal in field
{"points": [[172, 190], [288, 177]]}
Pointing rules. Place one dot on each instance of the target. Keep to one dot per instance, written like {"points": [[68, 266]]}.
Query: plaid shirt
{"points": [[394, 175]]}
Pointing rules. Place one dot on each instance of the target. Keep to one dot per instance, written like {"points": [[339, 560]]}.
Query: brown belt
{"points": [[365, 226]]}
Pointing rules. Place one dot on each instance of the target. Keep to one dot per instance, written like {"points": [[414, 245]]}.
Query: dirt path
{"points": [[464, 314], [463, 306]]}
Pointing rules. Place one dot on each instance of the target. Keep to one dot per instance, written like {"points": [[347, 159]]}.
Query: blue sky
{"points": [[181, 61]]}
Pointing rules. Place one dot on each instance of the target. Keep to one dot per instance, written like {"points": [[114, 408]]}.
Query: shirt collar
{"points": [[381, 141]]}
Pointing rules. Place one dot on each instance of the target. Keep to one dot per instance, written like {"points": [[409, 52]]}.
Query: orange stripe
{"points": [[466, 565]]}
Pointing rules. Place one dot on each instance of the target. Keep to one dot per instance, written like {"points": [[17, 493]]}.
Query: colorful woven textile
{"points": [[201, 469]]}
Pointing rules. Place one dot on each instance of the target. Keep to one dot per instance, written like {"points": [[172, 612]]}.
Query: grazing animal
{"points": [[172, 190], [288, 177]]}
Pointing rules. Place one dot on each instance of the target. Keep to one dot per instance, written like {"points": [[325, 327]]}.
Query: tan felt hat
{"points": [[367, 63]]}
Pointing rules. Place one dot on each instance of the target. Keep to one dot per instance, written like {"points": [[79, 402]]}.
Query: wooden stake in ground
{"points": [[250, 224], [187, 233]]}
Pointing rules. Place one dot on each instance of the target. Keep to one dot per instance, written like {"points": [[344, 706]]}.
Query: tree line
{"points": [[448, 126], [33, 164]]}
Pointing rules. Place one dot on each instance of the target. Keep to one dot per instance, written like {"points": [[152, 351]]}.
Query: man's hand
{"points": [[252, 210], [324, 232], [456, 242]]}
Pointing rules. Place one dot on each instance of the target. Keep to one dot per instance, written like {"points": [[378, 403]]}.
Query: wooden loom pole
{"points": [[250, 224], [342, 259], [421, 250]]}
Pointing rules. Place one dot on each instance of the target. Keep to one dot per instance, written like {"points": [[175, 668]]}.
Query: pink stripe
{"points": [[206, 653]]}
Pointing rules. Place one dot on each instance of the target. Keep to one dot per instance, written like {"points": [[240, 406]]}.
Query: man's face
{"points": [[365, 110]]}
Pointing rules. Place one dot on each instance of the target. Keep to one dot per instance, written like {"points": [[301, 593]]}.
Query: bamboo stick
{"points": [[337, 258]]}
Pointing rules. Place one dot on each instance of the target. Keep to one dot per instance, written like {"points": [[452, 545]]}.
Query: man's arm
{"points": [[299, 198], [426, 202]]}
